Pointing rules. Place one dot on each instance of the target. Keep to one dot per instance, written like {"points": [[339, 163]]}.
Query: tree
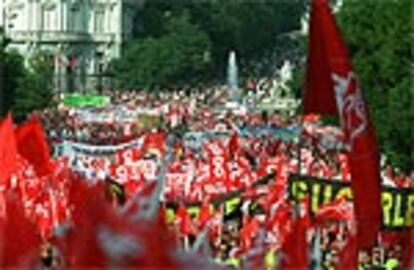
{"points": [[12, 71], [34, 90], [179, 55], [380, 39], [251, 28]]}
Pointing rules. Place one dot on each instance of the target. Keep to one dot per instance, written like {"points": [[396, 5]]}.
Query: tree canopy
{"points": [[181, 54], [26, 88], [34, 90], [380, 39], [190, 39], [12, 71]]}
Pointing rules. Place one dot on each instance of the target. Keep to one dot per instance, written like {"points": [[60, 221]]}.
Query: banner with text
{"points": [[397, 203]]}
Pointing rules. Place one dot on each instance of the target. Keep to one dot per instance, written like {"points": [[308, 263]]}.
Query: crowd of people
{"points": [[251, 148], [220, 178]]}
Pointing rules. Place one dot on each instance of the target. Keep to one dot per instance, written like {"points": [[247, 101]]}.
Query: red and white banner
{"points": [[332, 88]]}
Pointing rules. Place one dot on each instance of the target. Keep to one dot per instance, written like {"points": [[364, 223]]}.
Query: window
{"points": [[75, 17], [49, 17], [99, 21], [72, 18]]}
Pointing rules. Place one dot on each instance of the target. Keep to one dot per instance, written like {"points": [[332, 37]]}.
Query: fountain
{"points": [[280, 97], [232, 78], [286, 72]]}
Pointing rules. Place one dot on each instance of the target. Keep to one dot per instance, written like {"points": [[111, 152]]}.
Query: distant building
{"points": [[83, 35]]}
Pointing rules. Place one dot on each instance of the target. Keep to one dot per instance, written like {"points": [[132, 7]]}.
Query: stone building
{"points": [[82, 35]]}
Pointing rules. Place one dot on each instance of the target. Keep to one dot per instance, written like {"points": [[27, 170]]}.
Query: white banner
{"points": [[94, 160]]}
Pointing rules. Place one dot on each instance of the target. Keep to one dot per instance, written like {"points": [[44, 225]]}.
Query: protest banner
{"points": [[397, 203], [91, 159]]}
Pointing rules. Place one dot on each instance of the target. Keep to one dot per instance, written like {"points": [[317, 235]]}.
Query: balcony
{"points": [[61, 37]]}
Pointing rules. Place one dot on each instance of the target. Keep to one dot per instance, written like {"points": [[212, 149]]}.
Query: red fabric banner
{"points": [[218, 159], [8, 151], [33, 147], [330, 77]]}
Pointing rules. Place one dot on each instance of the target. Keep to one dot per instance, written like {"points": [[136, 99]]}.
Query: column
{"points": [[61, 16], [56, 68], [55, 14], [64, 26], [108, 18], [33, 16], [105, 19], [39, 16], [28, 15], [92, 21], [58, 18], [1, 13]]}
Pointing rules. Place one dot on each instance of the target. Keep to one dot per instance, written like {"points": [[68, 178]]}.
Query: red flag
{"points": [[330, 78], [90, 211], [162, 216], [337, 210], [205, 213], [155, 143], [8, 152], [32, 145], [104, 238], [218, 161], [294, 252], [19, 241], [348, 258], [233, 144], [408, 249], [184, 220]]}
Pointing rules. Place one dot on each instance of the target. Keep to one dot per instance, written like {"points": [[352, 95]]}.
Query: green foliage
{"points": [[380, 39], [12, 72], [25, 89], [251, 28], [248, 27], [181, 54], [34, 90]]}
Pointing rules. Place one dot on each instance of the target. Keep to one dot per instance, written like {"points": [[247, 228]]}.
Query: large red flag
{"points": [[332, 86], [408, 249], [294, 252], [8, 152], [19, 240], [32, 145], [348, 257]]}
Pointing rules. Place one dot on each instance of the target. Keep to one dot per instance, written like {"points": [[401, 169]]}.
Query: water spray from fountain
{"points": [[232, 77]]}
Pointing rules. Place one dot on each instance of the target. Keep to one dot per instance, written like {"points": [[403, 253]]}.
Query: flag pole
{"points": [[301, 127], [316, 257], [299, 146], [154, 201]]}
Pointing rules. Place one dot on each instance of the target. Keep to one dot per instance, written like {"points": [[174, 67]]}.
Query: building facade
{"points": [[82, 35]]}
